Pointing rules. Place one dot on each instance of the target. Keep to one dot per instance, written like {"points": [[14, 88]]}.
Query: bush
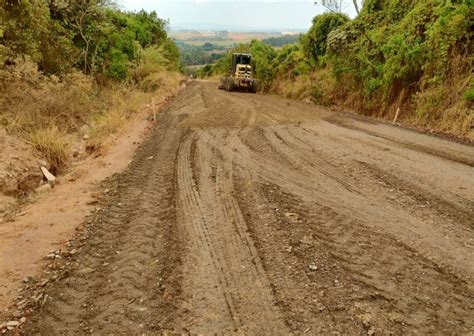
{"points": [[262, 61], [152, 60], [91, 35]]}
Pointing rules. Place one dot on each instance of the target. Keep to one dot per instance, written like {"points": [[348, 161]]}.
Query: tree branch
{"points": [[356, 5]]}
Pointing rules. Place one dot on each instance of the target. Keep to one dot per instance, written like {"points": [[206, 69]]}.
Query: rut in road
{"points": [[257, 215]]}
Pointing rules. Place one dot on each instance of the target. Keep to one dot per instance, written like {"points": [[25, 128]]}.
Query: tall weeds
{"points": [[52, 143], [46, 110]]}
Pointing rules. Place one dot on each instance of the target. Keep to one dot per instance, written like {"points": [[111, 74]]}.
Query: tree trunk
{"points": [[356, 5], [86, 56]]}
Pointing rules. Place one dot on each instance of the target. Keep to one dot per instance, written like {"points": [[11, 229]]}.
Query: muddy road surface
{"points": [[256, 215]]}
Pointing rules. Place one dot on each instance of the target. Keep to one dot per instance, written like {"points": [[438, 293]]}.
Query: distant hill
{"points": [[189, 27]]}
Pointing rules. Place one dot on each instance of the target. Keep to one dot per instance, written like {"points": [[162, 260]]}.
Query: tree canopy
{"points": [[91, 35]]}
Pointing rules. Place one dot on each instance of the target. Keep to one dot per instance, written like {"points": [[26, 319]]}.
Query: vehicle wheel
{"points": [[227, 84], [254, 87]]}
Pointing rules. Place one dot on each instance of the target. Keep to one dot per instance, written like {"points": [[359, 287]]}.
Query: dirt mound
{"points": [[19, 169]]}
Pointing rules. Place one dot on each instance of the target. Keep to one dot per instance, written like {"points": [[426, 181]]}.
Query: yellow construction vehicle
{"points": [[241, 75]]}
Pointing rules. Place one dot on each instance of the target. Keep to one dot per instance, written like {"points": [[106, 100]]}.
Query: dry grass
{"points": [[52, 144], [43, 110], [444, 106], [31, 101], [152, 75], [319, 87], [46, 110], [432, 109], [298, 88], [152, 81], [124, 103]]}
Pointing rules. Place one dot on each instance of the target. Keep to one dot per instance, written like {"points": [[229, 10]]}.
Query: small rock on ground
{"points": [[50, 177]]}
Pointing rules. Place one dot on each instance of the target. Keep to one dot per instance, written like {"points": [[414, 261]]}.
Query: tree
{"points": [[315, 41], [92, 35], [28, 28], [356, 6], [262, 59], [85, 12]]}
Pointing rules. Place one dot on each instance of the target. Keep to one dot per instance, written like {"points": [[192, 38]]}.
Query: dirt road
{"points": [[257, 215]]}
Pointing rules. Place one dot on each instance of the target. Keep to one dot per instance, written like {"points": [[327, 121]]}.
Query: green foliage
{"points": [[400, 43], [453, 26], [315, 42], [371, 6], [117, 41], [291, 62], [262, 59], [469, 94], [28, 29], [197, 55], [171, 53], [280, 41], [98, 39], [207, 70], [117, 64]]}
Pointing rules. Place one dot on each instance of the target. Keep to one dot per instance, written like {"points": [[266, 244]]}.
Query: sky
{"points": [[243, 15]]}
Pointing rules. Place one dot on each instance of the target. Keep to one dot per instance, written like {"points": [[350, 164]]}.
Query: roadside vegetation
{"points": [[66, 65], [208, 53], [280, 41], [410, 56]]}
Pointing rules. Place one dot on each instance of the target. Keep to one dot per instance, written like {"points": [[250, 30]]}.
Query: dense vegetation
{"points": [[415, 56], [89, 35], [207, 53], [66, 63], [280, 41]]}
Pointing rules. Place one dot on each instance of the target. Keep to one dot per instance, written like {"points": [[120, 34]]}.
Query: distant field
{"points": [[219, 38], [195, 67]]}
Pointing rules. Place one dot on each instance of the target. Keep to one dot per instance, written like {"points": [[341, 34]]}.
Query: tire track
{"points": [[219, 231], [332, 262], [234, 218], [466, 160], [299, 156], [121, 280]]}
